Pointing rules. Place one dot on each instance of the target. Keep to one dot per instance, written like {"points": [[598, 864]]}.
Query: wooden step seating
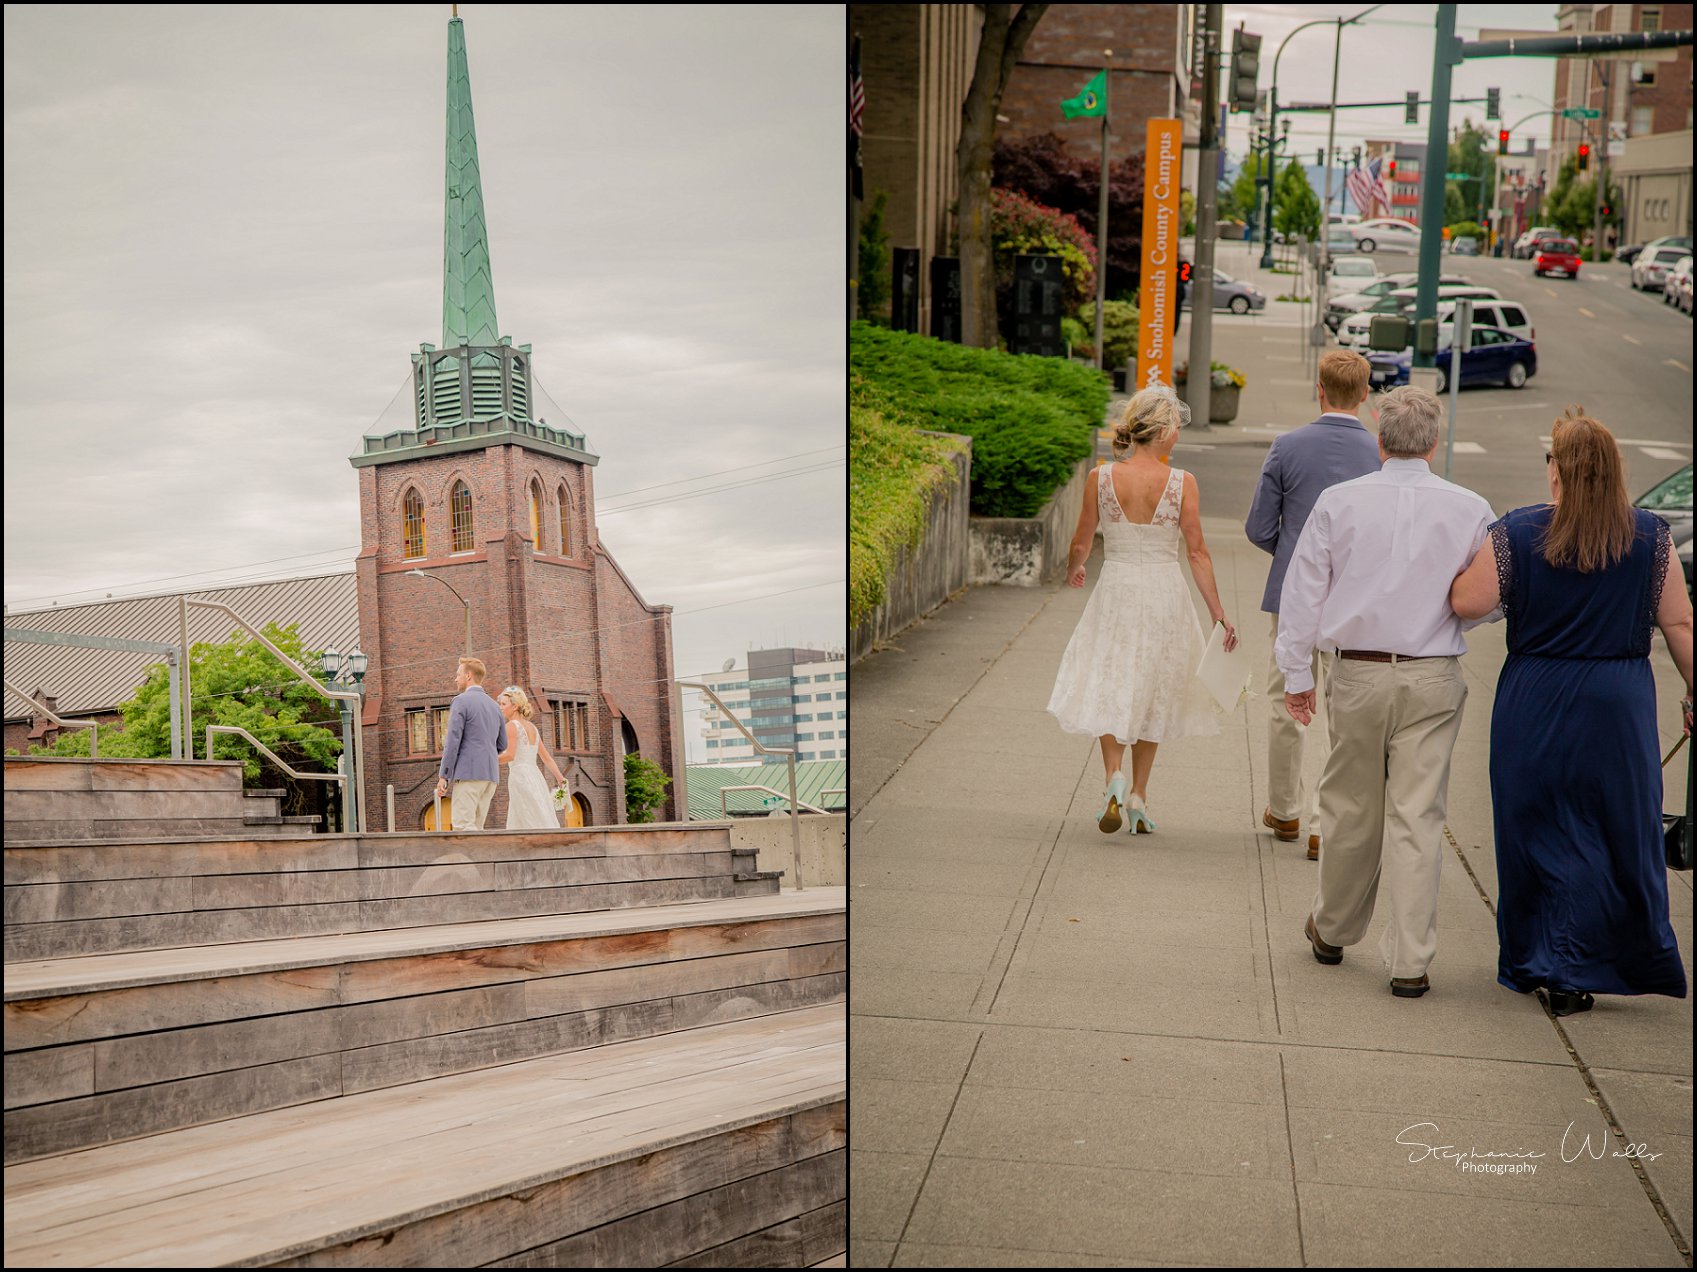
{"points": [[721, 1146], [206, 1039], [73, 898], [49, 798]]}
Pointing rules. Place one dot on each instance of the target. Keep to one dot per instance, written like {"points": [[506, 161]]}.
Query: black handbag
{"points": [[1676, 828]]}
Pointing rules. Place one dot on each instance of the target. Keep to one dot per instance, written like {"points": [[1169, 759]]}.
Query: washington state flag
{"points": [[1093, 100]]}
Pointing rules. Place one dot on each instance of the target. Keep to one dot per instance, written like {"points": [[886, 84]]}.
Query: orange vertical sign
{"points": [[1158, 295]]}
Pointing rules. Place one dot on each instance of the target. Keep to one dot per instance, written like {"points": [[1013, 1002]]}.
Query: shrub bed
{"points": [[1030, 419], [894, 471]]}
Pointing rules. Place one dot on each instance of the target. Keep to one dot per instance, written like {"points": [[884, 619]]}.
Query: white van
{"points": [[1350, 274], [1352, 332]]}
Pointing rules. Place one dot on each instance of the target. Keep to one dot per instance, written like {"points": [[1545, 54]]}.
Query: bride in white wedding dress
{"points": [[530, 805]]}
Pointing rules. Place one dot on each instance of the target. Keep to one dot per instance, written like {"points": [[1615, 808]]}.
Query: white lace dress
{"points": [[530, 806], [1130, 668]]}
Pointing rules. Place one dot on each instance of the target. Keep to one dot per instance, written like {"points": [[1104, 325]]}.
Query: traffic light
{"points": [[1413, 116], [1391, 172], [1358, 158], [1246, 65], [1502, 142], [1584, 155], [1607, 212], [1493, 103]]}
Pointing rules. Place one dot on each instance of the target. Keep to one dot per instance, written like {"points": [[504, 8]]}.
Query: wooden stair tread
{"points": [[275, 1185], [96, 972]]}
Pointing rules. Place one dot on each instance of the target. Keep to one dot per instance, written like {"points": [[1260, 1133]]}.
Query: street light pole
{"points": [[1319, 333], [1272, 128]]}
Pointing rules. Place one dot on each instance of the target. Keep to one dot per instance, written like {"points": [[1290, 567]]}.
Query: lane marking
{"points": [[1469, 448], [1586, 312], [1662, 452], [1550, 291], [1676, 364], [1637, 441], [1630, 339]]}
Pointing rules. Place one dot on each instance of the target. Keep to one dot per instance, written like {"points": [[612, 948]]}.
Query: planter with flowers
{"points": [[1225, 384]]}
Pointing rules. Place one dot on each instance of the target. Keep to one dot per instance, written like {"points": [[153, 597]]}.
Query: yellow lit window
{"points": [[462, 517], [535, 520], [418, 731], [413, 516], [565, 525]]}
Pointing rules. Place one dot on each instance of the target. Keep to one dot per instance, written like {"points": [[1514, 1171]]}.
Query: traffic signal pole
{"points": [[1198, 389], [1446, 53]]}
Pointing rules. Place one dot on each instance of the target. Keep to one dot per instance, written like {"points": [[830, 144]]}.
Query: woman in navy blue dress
{"points": [[1576, 780]]}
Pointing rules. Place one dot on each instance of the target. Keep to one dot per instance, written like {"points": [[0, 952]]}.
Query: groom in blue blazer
{"points": [[1334, 448], [477, 734]]}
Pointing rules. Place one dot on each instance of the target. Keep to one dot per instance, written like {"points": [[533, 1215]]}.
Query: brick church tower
{"points": [[486, 494]]}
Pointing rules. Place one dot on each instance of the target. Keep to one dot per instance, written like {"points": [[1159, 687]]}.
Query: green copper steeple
{"points": [[468, 287]]}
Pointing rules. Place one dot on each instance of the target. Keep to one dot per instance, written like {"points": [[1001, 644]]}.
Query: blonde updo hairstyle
{"points": [[1150, 415], [521, 703]]}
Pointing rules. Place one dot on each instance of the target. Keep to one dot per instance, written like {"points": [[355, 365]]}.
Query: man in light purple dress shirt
{"points": [[1299, 466], [1371, 579]]}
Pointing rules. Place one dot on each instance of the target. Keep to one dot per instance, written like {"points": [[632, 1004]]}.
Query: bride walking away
{"points": [[530, 806], [1128, 676]]}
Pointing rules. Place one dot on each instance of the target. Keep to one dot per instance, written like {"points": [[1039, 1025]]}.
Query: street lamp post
{"points": [[337, 670], [1272, 121], [462, 600]]}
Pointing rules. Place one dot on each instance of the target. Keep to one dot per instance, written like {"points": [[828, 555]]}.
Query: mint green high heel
{"points": [[1109, 820], [1138, 815]]}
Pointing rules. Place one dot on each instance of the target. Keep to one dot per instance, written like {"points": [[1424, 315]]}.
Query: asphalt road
{"points": [[1624, 355]]}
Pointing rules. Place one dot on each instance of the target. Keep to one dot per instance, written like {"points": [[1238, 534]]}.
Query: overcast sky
{"points": [[1384, 57], [223, 237]]}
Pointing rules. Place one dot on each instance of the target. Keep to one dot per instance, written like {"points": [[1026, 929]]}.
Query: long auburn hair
{"points": [[1592, 526]]}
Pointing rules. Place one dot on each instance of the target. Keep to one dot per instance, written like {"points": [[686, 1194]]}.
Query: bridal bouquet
{"points": [[561, 796]]}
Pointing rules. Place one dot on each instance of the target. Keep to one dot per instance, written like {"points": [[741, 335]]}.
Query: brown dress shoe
{"points": [[1313, 847], [1410, 986], [1284, 830], [1328, 954]]}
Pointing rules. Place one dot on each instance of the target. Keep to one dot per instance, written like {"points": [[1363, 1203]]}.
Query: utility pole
{"points": [[1446, 52], [1600, 179], [1199, 384]]}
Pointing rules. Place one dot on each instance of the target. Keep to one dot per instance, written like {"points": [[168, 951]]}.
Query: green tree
{"points": [[1187, 212], [645, 788], [235, 682], [874, 275], [1245, 197], [1455, 207], [1474, 152], [1297, 209]]}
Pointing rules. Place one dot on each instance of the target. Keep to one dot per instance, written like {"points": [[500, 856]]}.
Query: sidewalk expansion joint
{"points": [[1650, 1191], [1267, 933], [932, 1159], [1290, 1148]]}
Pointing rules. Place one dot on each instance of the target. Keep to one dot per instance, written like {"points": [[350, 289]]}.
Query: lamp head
{"points": [[331, 661], [357, 661], [416, 573]]}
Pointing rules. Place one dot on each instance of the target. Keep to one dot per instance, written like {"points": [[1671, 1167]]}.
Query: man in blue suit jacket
{"points": [[1299, 466], [477, 734]]}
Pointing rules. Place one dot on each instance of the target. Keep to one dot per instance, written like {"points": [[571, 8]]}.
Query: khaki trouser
{"points": [[1286, 753], [1382, 797], [471, 804]]}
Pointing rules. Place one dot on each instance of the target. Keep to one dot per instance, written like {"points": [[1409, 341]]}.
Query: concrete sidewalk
{"points": [[1076, 1049]]}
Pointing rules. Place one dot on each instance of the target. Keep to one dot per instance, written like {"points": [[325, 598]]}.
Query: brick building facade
{"points": [[1638, 97], [481, 494]]}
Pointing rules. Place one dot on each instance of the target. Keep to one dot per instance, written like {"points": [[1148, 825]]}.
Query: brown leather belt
{"points": [[1374, 655]]}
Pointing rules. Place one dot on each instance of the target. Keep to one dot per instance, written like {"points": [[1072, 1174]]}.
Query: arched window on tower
{"points": [[535, 517], [461, 506], [412, 524], [565, 523]]}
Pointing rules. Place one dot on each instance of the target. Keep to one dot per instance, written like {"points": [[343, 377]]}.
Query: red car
{"points": [[1556, 256]]}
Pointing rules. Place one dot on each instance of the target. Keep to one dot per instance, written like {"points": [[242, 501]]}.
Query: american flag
{"points": [[1366, 189], [857, 108]]}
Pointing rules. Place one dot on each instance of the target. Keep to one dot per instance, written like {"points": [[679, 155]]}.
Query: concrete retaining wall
{"points": [[1029, 551], [824, 847], [926, 577]]}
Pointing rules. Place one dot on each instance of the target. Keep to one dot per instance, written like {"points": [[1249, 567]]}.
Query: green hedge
{"points": [[1030, 419], [894, 471]]}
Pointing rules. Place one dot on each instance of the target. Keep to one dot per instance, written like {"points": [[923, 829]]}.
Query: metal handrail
{"points": [[338, 777], [758, 745], [353, 743], [833, 790], [803, 804], [93, 726]]}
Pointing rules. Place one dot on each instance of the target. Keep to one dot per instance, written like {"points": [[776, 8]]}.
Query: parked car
{"points": [[1651, 268], [1683, 296], [1341, 307], [1352, 332], [1230, 294], [1556, 256], [1678, 276], [1385, 233], [1350, 274], [1627, 255], [1339, 242], [1670, 499], [1492, 357], [1523, 246], [1466, 245]]}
